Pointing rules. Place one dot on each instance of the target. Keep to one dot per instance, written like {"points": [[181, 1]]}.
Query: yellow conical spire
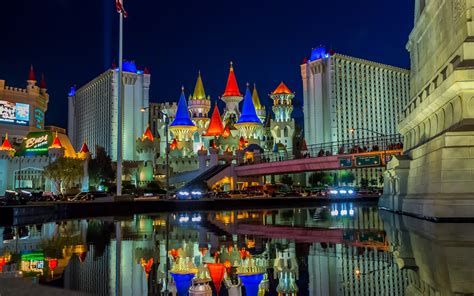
{"points": [[199, 93], [256, 99]]}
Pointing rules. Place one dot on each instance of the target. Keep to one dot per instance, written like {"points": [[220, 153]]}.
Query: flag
{"points": [[120, 9]]}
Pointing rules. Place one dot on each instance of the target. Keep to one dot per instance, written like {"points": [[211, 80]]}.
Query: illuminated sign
{"points": [[36, 143], [371, 160], [39, 118], [14, 113], [345, 162], [32, 262]]}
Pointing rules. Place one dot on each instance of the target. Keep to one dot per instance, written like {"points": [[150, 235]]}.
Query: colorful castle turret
{"points": [[199, 106], [6, 150], [147, 148], [231, 96], [259, 108], [182, 126], [283, 126], [56, 149], [248, 123]]}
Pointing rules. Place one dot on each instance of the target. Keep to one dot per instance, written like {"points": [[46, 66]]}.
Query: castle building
{"points": [[24, 167], [283, 126], [93, 111], [343, 93], [259, 108], [232, 97], [23, 110]]}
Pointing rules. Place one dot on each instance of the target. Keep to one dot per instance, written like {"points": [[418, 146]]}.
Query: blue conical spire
{"points": [[182, 114], [249, 115]]}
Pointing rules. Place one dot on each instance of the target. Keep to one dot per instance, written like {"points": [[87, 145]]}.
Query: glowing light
{"points": [[351, 212]]}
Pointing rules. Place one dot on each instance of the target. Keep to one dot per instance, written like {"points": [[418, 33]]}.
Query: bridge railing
{"points": [[371, 144]]}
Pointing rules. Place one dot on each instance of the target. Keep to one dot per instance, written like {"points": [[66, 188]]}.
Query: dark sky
{"points": [[73, 41]]}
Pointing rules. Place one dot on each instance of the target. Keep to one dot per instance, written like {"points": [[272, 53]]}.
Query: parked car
{"points": [[12, 198]]}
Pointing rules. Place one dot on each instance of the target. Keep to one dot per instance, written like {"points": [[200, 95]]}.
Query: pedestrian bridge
{"points": [[318, 163]]}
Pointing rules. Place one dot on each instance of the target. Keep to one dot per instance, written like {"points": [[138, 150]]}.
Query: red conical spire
{"points": [[84, 148], [226, 132], [43, 81], [231, 89], [56, 142], [242, 143], [146, 71], [6, 144], [282, 89], [147, 134], [215, 126], [31, 75]]}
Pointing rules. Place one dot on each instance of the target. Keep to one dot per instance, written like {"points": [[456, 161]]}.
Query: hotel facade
{"points": [[93, 111], [341, 93]]}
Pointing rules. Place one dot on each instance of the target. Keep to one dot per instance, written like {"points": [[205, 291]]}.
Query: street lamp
{"points": [[167, 122]]}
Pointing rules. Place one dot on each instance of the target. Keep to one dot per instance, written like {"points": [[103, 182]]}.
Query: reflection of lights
{"points": [[351, 212], [343, 212], [183, 219], [357, 272], [334, 212], [196, 218]]}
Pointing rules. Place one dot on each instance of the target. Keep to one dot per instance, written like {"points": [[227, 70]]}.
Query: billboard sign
{"points": [[367, 160], [14, 113]]}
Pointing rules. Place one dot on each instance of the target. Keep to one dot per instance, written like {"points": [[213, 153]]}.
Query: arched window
{"points": [[286, 131]]}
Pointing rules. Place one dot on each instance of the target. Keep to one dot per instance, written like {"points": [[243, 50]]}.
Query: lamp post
{"points": [[167, 123]]}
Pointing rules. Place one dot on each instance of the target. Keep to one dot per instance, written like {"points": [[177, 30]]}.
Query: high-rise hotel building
{"points": [[93, 111], [341, 93]]}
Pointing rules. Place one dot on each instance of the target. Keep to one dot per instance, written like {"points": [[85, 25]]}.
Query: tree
{"points": [[347, 177], [328, 180], [100, 167], [64, 171], [285, 179]]}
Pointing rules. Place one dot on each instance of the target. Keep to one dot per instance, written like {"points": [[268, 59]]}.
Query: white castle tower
{"points": [[283, 125]]}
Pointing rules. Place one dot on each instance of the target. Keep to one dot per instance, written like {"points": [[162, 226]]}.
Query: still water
{"points": [[342, 249]]}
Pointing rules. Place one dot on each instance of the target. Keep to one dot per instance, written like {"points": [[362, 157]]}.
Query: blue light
{"points": [[251, 283], [129, 66], [72, 91], [183, 282], [139, 72], [318, 53]]}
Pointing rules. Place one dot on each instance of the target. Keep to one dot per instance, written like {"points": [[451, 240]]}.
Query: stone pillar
{"points": [[395, 183], [202, 155], [214, 152]]}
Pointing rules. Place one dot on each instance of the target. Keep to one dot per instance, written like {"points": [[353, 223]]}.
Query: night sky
{"points": [[73, 41]]}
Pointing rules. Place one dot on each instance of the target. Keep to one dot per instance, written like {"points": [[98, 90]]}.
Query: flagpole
{"points": [[119, 111]]}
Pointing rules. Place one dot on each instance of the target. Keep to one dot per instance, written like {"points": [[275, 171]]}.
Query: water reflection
{"points": [[342, 249]]}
